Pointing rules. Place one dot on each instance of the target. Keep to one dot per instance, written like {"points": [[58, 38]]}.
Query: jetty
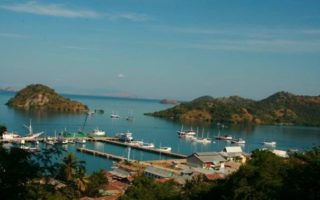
{"points": [[103, 154], [152, 150]]}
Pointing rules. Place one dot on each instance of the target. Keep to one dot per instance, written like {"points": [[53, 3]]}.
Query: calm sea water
{"points": [[149, 129]]}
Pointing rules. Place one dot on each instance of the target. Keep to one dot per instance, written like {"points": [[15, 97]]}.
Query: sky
{"points": [[162, 48]]}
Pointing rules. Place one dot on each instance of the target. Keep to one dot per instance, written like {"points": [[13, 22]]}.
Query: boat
{"points": [[270, 143], [114, 115], [223, 137], [167, 149], [29, 149], [183, 133], [10, 136], [136, 143], [148, 145], [238, 141], [98, 132], [31, 134], [81, 141], [125, 137]]}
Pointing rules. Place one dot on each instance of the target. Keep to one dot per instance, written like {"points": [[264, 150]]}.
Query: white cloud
{"points": [[13, 35], [59, 10], [56, 10], [121, 75]]}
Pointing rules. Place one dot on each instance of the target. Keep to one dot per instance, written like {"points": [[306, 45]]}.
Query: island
{"points": [[281, 108], [169, 101], [41, 97]]}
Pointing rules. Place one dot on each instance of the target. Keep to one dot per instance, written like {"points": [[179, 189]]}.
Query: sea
{"points": [[161, 132]]}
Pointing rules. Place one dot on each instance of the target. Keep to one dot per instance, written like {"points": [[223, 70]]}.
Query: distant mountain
{"points": [[279, 108], [41, 97]]}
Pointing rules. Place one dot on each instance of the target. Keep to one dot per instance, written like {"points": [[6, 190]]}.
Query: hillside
{"points": [[41, 97], [279, 108]]}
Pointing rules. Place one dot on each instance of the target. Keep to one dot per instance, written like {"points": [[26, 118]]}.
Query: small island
{"points": [[281, 108], [169, 101], [41, 97]]}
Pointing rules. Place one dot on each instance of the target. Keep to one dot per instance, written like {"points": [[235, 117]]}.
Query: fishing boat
{"points": [[238, 141]]}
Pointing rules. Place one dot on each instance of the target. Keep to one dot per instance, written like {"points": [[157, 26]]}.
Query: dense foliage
{"points": [[41, 97], [265, 176], [280, 108], [25, 175]]}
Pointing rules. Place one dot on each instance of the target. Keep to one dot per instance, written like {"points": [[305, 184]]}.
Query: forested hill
{"points": [[279, 108], [41, 97]]}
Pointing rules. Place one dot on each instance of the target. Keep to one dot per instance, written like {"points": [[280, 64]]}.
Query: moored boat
{"points": [[238, 141], [270, 143], [223, 137], [168, 149], [148, 145]]}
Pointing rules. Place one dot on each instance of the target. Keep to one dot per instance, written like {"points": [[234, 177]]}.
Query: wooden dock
{"points": [[103, 154], [152, 150]]}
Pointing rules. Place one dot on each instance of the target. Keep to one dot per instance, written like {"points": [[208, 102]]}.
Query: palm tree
{"points": [[69, 167], [81, 180]]}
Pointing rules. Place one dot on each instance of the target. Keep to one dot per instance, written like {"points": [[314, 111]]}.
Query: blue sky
{"points": [[162, 48]]}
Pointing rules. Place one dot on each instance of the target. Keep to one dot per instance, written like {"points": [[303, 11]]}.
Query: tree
{"points": [[16, 169], [2, 130], [97, 181]]}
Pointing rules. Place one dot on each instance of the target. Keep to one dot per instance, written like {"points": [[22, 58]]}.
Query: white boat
{"points": [[183, 133], [168, 149], [10, 136], [98, 132], [113, 115], [148, 145], [81, 141], [125, 137], [238, 141], [270, 143], [29, 149], [136, 143]]}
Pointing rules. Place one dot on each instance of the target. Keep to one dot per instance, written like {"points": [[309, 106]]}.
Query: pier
{"points": [[152, 150], [104, 155]]}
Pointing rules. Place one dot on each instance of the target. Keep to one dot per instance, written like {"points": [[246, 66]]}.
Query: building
{"points": [[205, 160], [155, 172], [233, 153]]}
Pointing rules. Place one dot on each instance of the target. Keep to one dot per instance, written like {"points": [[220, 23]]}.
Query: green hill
{"points": [[41, 97], [279, 108]]}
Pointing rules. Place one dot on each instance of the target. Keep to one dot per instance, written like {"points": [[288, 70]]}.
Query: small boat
{"points": [[270, 143], [29, 149], [183, 133], [238, 141], [136, 143], [114, 115], [81, 141], [223, 137], [168, 149], [98, 132], [148, 145]]}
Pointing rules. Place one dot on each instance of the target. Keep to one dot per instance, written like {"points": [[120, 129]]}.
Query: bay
{"points": [[149, 129]]}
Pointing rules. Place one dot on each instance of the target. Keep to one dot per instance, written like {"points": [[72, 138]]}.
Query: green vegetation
{"points": [[24, 175], [265, 176], [281, 108], [41, 97]]}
